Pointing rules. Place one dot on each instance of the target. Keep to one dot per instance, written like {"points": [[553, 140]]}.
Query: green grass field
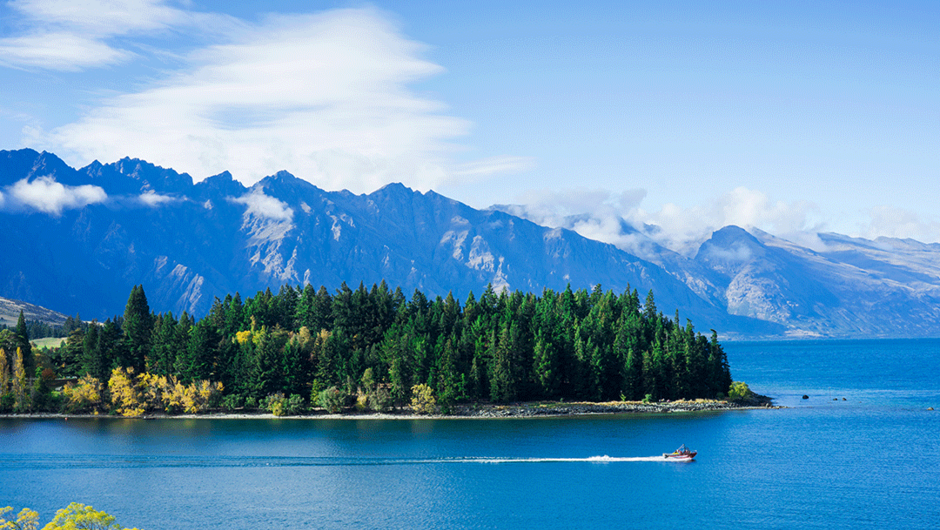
{"points": [[48, 342]]}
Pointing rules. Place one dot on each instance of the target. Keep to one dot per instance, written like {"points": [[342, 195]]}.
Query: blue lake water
{"points": [[870, 461]]}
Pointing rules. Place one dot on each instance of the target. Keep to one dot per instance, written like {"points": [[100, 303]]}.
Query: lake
{"points": [[868, 461]]}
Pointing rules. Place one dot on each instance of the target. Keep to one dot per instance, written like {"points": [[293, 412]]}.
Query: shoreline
{"points": [[534, 409]]}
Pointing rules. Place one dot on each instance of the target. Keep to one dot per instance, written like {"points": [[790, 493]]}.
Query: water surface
{"points": [[867, 462]]}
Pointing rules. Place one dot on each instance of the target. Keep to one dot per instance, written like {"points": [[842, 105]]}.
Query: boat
{"points": [[682, 453]]}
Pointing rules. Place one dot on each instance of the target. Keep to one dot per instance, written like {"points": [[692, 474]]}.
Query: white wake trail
{"points": [[593, 459]]}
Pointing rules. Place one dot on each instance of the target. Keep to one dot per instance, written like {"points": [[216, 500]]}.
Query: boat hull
{"points": [[680, 456]]}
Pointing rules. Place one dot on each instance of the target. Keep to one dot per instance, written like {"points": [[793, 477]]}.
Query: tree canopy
{"points": [[502, 347]]}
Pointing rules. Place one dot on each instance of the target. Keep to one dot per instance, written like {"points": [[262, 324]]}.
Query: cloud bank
{"points": [[617, 217], [73, 35], [327, 95], [46, 195], [265, 206]]}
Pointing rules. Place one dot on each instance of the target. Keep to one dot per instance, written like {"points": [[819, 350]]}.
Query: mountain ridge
{"points": [[133, 222]]}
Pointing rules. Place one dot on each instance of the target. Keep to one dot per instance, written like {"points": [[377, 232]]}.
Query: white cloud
{"points": [[75, 35], [58, 51], [899, 223], [493, 165], [265, 206], [99, 17], [324, 95], [46, 195], [600, 214], [684, 229], [153, 199]]}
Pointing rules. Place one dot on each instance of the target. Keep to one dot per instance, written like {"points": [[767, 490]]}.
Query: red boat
{"points": [[682, 453]]}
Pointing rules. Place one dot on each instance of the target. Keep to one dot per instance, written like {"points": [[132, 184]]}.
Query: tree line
{"points": [[376, 348]]}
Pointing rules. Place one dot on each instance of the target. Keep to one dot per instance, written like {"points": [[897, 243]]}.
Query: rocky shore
{"points": [[525, 410], [477, 410]]}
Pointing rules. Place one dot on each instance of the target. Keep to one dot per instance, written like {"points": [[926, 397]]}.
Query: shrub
{"points": [[332, 399], [380, 400], [82, 396], [274, 401], [233, 402], [295, 405], [423, 400], [739, 391], [7, 401], [362, 402]]}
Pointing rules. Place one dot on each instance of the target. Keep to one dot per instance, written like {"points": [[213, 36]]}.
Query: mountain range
{"points": [[77, 240]]}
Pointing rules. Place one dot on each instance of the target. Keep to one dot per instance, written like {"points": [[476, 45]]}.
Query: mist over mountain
{"points": [[77, 240]]}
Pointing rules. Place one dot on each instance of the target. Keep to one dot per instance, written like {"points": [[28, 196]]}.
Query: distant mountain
{"points": [[10, 313], [854, 287], [78, 240]]}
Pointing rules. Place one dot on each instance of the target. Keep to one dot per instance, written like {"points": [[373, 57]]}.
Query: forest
{"points": [[372, 349]]}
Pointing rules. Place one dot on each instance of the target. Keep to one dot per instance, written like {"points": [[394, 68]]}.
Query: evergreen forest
{"points": [[370, 348]]}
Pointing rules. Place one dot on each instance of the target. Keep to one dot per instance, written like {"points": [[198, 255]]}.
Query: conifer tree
{"points": [[138, 330], [93, 361], [22, 341]]}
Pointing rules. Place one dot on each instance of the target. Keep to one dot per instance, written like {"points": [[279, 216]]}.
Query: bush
{"points": [[362, 402], [380, 400], [295, 405], [740, 392], [233, 402], [423, 400], [332, 399], [274, 404], [83, 395], [7, 400], [42, 397]]}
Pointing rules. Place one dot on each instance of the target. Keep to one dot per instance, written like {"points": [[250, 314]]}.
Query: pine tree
{"points": [[138, 330], [22, 341], [93, 359]]}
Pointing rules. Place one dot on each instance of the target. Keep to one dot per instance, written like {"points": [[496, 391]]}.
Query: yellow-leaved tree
{"points": [[4, 371], [423, 400], [125, 392], [80, 517], [19, 385], [84, 395], [25, 520]]}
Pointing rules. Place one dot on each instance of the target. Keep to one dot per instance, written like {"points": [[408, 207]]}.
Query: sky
{"points": [[791, 117]]}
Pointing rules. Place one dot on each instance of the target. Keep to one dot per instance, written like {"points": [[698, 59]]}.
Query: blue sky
{"points": [[791, 117]]}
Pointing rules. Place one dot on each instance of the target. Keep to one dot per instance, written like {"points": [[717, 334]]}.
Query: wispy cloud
{"points": [[58, 51], [683, 229], [493, 165], [900, 223], [75, 35], [153, 199], [46, 195], [325, 95], [265, 206], [618, 218]]}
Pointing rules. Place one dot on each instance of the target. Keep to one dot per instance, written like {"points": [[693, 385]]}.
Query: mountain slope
{"points": [[78, 240], [189, 243]]}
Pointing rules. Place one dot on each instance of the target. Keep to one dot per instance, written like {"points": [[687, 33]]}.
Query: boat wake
{"points": [[54, 461], [594, 459]]}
